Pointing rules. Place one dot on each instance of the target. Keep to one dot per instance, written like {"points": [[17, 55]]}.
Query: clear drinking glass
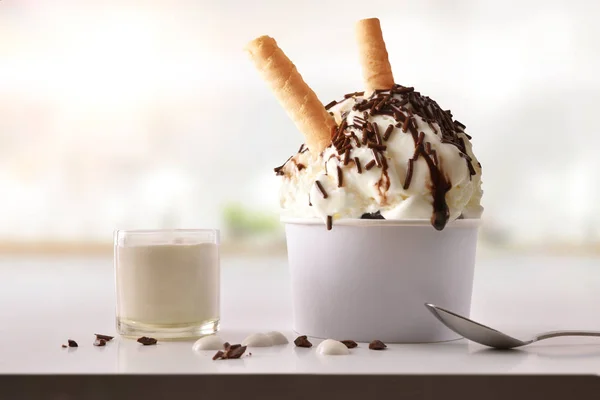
{"points": [[167, 282]]}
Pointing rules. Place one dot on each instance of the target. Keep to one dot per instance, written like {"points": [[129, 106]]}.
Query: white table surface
{"points": [[44, 302]]}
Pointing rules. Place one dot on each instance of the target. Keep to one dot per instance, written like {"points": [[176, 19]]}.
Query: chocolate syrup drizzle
{"points": [[401, 103]]}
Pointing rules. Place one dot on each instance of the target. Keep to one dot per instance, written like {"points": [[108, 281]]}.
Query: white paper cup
{"points": [[369, 279]]}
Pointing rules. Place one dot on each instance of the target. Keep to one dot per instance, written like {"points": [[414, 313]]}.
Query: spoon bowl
{"points": [[490, 337]]}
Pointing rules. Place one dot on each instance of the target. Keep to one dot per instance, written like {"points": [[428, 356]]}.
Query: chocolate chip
{"points": [[231, 351], [100, 342], [375, 215], [377, 345], [350, 343], [302, 341], [73, 343], [147, 341], [234, 351], [104, 337]]}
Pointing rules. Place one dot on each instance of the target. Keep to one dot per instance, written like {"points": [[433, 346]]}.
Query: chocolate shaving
{"points": [[234, 351], [226, 345], [302, 341], [377, 345], [64, 346], [300, 166], [147, 341], [329, 222], [357, 162], [231, 352], [105, 337], [100, 342], [72, 343], [351, 344], [322, 189]]}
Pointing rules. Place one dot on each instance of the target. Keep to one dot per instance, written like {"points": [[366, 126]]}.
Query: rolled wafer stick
{"points": [[297, 98], [376, 68]]}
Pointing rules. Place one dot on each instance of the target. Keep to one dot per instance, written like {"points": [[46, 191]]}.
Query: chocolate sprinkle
{"points": [[329, 222], [350, 343], [409, 174], [376, 156], [322, 189], [353, 94], [347, 155], [370, 165], [377, 345], [376, 132], [405, 125], [357, 162], [380, 147], [340, 177], [329, 105], [147, 341], [302, 341], [388, 132]]}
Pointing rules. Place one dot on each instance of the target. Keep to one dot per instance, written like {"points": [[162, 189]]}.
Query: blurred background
{"points": [[146, 114]]}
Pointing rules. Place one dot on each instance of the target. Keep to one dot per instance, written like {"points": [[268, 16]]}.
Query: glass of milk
{"points": [[167, 282]]}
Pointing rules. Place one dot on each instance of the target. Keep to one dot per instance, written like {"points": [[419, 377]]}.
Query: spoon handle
{"points": [[548, 335]]}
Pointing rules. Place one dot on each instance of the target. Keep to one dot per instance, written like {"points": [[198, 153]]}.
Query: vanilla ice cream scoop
{"points": [[395, 154]]}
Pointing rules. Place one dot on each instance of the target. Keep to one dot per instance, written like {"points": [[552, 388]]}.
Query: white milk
{"points": [[167, 285]]}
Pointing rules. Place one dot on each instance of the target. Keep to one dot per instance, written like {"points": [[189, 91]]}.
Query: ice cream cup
{"points": [[369, 279]]}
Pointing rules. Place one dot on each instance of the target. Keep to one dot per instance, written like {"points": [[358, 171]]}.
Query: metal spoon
{"points": [[487, 336]]}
